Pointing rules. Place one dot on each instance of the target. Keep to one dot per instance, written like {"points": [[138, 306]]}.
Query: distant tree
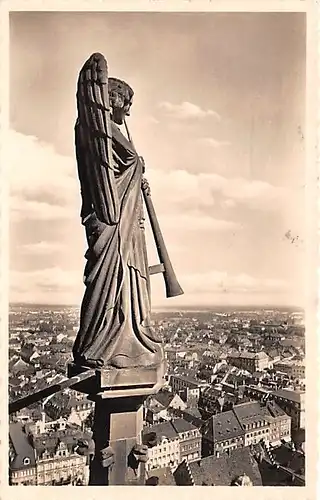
{"points": [[204, 372], [46, 327]]}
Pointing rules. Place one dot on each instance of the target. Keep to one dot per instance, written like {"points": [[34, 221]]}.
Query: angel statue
{"points": [[115, 326]]}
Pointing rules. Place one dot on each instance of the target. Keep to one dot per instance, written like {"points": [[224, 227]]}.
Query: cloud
{"points": [[254, 193], [176, 189], [222, 282], [54, 284], [196, 221], [42, 248], [44, 187], [21, 209], [54, 278], [193, 191], [43, 184], [228, 203], [186, 110], [211, 142], [150, 120]]}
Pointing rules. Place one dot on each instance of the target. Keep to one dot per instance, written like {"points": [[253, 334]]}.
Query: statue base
{"points": [[112, 382]]}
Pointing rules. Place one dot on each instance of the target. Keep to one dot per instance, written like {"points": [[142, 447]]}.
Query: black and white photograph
{"points": [[159, 248]]}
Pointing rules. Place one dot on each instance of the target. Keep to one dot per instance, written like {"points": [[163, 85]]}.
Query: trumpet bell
{"points": [[173, 289]]}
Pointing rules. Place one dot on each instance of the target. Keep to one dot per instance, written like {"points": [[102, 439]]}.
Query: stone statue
{"points": [[115, 326]]}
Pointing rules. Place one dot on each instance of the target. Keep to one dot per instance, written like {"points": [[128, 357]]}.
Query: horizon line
{"points": [[171, 307]]}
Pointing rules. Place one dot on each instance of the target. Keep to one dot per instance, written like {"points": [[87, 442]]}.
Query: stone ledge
{"points": [[120, 382]]}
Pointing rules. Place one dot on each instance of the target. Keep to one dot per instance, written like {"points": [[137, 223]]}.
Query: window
{"points": [[26, 461]]}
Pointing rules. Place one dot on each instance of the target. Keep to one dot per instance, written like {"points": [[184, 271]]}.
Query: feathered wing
{"points": [[94, 141]]}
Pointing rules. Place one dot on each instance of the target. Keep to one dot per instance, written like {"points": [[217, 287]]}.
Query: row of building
{"points": [[46, 459]]}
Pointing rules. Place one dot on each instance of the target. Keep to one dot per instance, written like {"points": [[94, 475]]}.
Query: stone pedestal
{"points": [[118, 421], [117, 430]]}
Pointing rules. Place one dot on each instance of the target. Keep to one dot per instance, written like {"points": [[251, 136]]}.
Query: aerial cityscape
{"points": [[232, 409]]}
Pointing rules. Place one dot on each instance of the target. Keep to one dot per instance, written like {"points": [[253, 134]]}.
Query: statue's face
{"points": [[119, 114]]}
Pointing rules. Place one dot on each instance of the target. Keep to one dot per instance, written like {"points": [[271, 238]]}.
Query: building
{"points": [[250, 361], [189, 439], [45, 459], [220, 433], [175, 440], [155, 415], [158, 407], [245, 425], [160, 477], [263, 421], [45, 425], [215, 399], [234, 468], [58, 462], [280, 425], [180, 384], [293, 368], [255, 421], [22, 459], [75, 410], [191, 415], [274, 334], [166, 452], [293, 403]]}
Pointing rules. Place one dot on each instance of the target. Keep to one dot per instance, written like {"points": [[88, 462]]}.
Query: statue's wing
{"points": [[94, 138]]}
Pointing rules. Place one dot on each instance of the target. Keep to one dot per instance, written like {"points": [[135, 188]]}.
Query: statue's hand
{"points": [[145, 186], [94, 227]]}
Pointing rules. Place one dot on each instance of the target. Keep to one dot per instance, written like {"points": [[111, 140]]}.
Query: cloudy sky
{"points": [[218, 116]]}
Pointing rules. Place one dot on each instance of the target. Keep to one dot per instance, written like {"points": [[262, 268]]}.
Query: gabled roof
{"points": [[164, 398], [182, 425], [21, 366], [226, 426], [219, 471], [193, 411], [22, 447], [275, 409], [250, 411], [160, 477], [163, 429], [50, 442], [223, 426]]}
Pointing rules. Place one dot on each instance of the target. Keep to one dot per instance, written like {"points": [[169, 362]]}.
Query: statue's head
{"points": [[120, 95]]}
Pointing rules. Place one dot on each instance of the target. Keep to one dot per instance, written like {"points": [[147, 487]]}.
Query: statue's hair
{"points": [[118, 88]]}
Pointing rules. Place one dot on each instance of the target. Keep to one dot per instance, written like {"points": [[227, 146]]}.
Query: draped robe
{"points": [[115, 327]]}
